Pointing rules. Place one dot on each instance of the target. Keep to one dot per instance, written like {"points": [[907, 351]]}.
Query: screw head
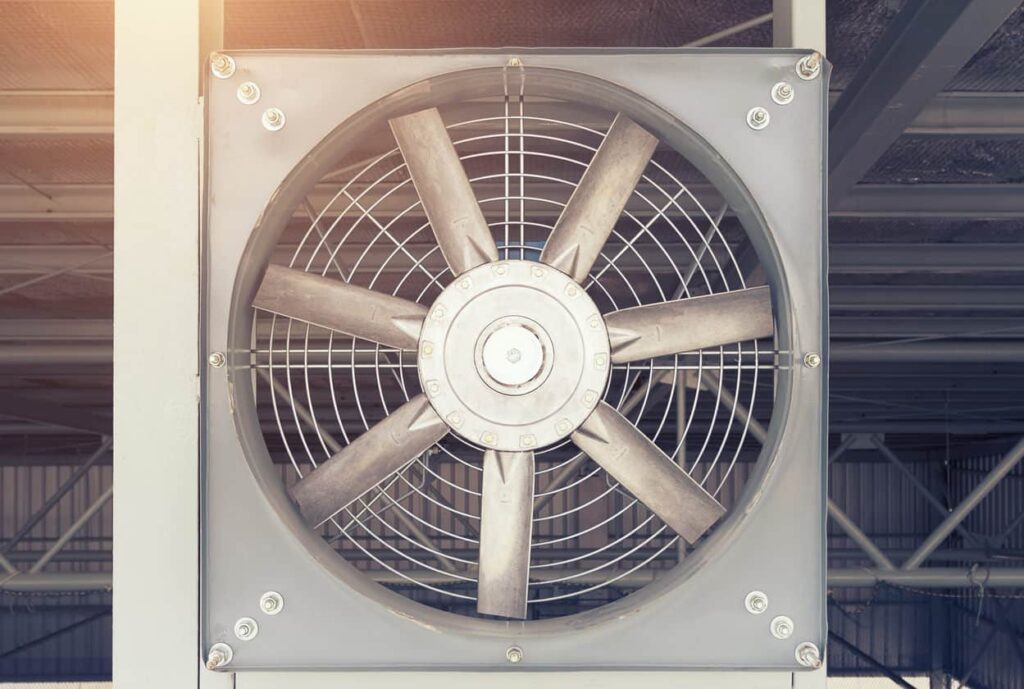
{"points": [[812, 360], [809, 66], [220, 654], [246, 628], [271, 602], [217, 359], [514, 654], [222, 66], [248, 92], [808, 655], [782, 93], [273, 119], [757, 118], [756, 602], [782, 627]]}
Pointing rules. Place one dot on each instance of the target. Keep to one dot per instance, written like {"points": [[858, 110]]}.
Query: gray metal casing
{"points": [[254, 541]]}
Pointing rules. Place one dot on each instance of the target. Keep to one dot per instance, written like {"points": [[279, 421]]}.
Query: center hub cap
{"points": [[513, 355]]}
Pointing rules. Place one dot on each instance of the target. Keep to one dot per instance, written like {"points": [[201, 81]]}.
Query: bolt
{"points": [[809, 66], [222, 66], [246, 628], [271, 602], [808, 655], [757, 118], [248, 93], [220, 655], [514, 654], [273, 119], [812, 360], [217, 359], [782, 627], [756, 602], [514, 62], [782, 93], [488, 438]]}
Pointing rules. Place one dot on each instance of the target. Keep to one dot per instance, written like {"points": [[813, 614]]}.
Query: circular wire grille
{"points": [[317, 390]]}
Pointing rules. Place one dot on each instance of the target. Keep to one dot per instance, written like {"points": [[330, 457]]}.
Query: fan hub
{"points": [[513, 355]]}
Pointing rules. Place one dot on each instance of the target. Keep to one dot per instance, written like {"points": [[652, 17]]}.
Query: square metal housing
{"points": [[692, 619]]}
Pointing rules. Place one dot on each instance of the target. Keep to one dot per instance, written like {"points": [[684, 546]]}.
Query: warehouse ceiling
{"points": [[927, 243]]}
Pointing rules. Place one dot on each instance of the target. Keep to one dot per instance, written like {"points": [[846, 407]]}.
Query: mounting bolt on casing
{"points": [[808, 655], [248, 92], [514, 654], [273, 119], [782, 93], [271, 602], [246, 628], [222, 66], [812, 360], [756, 602], [216, 359], [220, 655], [809, 66], [782, 627], [758, 118]]}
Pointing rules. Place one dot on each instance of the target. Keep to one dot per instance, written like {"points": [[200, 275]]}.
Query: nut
{"points": [[812, 360], [756, 602], [246, 628], [514, 654], [808, 655], [758, 118], [220, 655], [248, 93], [809, 66], [222, 66], [271, 602], [782, 627], [217, 359], [782, 93], [273, 119]]}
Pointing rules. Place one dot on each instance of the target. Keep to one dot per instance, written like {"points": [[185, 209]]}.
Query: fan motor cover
{"points": [[254, 540]]}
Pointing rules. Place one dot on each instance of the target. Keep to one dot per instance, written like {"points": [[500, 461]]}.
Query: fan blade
{"points": [[369, 459], [684, 325], [646, 472], [506, 520], [356, 311], [598, 201], [442, 185]]}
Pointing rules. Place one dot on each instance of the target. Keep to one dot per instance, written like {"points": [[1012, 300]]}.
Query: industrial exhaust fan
{"points": [[515, 360]]}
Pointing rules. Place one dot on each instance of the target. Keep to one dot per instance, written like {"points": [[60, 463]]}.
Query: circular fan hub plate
{"points": [[513, 355]]}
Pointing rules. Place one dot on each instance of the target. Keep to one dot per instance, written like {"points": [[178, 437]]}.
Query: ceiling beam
{"points": [[56, 113], [923, 48], [53, 414]]}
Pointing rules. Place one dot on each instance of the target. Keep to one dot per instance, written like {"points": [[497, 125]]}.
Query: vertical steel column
{"points": [[799, 24], [157, 133]]}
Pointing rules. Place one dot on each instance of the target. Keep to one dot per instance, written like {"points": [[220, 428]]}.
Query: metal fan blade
{"points": [[684, 325], [647, 472], [379, 452], [598, 201], [356, 311], [443, 187], [506, 520]]}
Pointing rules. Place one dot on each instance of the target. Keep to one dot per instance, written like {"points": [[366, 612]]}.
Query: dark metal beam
{"points": [[925, 45], [870, 660], [53, 414]]}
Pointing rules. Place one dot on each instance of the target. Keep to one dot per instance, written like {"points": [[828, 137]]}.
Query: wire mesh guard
{"points": [[418, 532]]}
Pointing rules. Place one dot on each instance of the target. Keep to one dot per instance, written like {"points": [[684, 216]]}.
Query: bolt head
{"points": [[514, 655], [809, 66], [273, 119], [248, 93], [756, 602], [217, 359], [222, 66], [808, 655], [246, 628], [782, 627], [220, 654], [757, 118], [271, 602], [812, 360], [782, 93]]}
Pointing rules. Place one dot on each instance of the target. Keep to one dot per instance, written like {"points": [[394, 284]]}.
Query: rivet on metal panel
{"points": [[812, 360]]}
